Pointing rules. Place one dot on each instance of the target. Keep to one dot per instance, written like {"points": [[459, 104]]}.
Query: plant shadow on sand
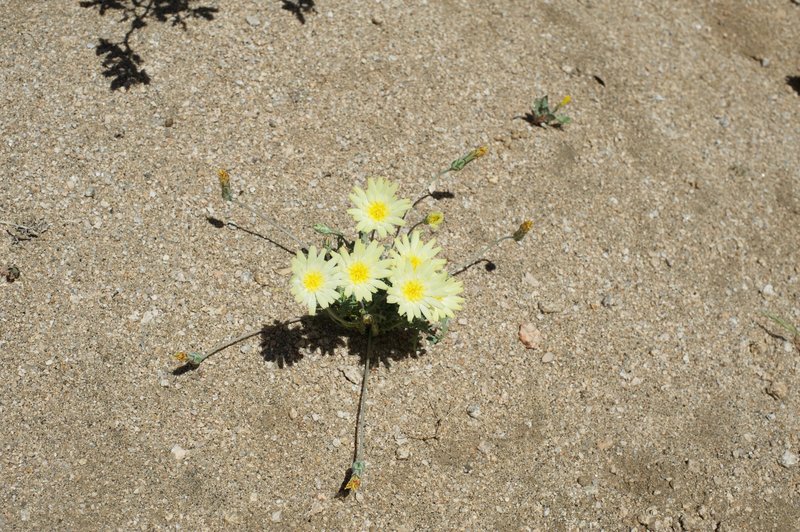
{"points": [[120, 62], [285, 343]]}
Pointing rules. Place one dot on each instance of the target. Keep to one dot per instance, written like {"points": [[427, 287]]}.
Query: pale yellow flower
{"points": [[362, 270], [314, 279], [414, 291], [416, 253], [377, 208], [447, 297]]}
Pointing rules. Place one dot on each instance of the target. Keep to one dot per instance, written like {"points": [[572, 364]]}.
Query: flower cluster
{"points": [[364, 274]]}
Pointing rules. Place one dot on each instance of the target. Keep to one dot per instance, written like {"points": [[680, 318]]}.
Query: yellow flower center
{"points": [[413, 290], [415, 261], [358, 272], [378, 211], [313, 280]]}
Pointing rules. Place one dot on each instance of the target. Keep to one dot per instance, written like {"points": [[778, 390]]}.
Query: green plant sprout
{"points": [[373, 279], [787, 327], [541, 115]]}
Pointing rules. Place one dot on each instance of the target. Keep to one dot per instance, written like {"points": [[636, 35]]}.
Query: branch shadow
{"points": [[299, 8], [794, 83], [119, 61]]}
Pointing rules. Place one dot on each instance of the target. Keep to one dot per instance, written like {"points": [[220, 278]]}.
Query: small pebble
{"points": [[764, 62], [608, 301], [788, 459], [604, 444], [178, 452], [530, 336], [530, 279], [377, 20], [252, 20], [148, 316], [403, 453], [293, 413], [548, 357], [474, 411], [352, 374], [485, 447], [778, 390], [584, 480], [276, 516], [89, 192], [767, 290]]}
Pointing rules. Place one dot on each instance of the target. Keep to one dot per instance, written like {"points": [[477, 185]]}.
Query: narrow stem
{"points": [[479, 254], [362, 405], [270, 221], [416, 225], [341, 321]]}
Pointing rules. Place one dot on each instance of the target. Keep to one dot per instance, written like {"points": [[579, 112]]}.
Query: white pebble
{"points": [[788, 459], [179, 452]]}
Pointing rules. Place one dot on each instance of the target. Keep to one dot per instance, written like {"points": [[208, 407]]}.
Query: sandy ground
{"points": [[667, 220]]}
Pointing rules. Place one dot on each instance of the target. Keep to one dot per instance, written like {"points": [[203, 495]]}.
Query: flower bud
{"points": [[434, 220], [225, 183], [523, 230]]}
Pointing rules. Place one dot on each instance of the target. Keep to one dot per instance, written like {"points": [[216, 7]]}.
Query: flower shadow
{"points": [[285, 343]]}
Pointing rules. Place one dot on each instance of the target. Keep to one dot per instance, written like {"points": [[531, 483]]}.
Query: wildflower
{"points": [[362, 270], [414, 291], [564, 101], [524, 227], [378, 209], [434, 220], [414, 253], [448, 298], [314, 280]]}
